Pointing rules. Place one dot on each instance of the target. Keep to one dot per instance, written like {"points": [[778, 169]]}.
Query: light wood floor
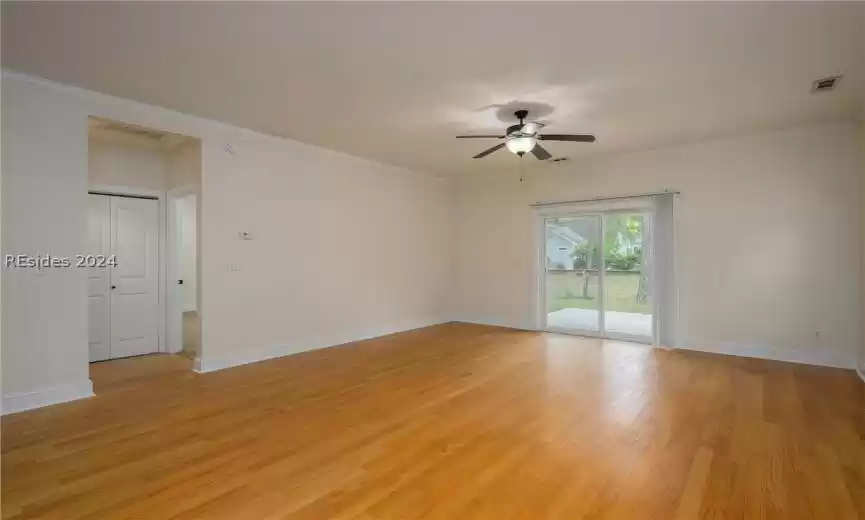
{"points": [[451, 422], [191, 334]]}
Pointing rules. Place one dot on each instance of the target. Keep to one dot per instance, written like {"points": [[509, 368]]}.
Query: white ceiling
{"points": [[396, 81]]}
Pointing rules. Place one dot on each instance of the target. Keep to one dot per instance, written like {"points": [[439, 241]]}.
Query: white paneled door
{"points": [[130, 323], [99, 278]]}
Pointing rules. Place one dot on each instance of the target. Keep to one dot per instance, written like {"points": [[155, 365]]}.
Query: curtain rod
{"points": [[599, 199]]}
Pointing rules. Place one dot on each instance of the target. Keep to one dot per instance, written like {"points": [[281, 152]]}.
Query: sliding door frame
{"points": [[597, 209]]}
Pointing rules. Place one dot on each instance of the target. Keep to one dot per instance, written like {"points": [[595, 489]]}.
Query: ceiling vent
{"points": [[825, 83]]}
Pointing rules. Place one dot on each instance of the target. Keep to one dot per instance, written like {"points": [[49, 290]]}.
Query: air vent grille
{"points": [[825, 83], [135, 130]]}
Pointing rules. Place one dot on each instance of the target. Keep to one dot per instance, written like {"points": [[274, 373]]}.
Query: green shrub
{"points": [[622, 261]]}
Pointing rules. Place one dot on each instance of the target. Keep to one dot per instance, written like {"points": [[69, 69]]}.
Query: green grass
{"points": [[565, 291]]}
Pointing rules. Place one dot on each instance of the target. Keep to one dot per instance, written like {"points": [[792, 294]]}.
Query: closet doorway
{"points": [[123, 276]]}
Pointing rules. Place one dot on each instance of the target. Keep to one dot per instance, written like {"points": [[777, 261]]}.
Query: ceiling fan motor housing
{"points": [[521, 115], [514, 129]]}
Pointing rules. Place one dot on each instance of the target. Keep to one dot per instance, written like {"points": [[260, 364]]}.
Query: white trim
{"points": [[748, 351], [116, 189], [492, 322], [803, 357], [203, 365], [19, 402]]}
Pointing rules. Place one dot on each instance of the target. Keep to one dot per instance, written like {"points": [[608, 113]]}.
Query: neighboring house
{"points": [[561, 241]]}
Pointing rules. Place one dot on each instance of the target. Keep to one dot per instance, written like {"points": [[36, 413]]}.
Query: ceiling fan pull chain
{"points": [[521, 168]]}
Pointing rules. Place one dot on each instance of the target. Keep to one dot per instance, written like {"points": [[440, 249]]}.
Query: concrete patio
{"points": [[630, 323]]}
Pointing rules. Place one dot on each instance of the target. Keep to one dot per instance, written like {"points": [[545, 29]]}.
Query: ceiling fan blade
{"points": [[480, 137], [541, 153], [580, 138], [489, 151]]}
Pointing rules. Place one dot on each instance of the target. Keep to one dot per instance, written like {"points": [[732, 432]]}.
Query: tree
{"points": [[628, 233], [622, 232], [585, 259]]}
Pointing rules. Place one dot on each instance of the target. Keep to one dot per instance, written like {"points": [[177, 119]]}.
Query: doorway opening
{"points": [[606, 269], [184, 321], [136, 175]]}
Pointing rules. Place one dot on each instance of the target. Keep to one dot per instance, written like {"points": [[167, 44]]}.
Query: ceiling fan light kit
{"points": [[523, 137], [520, 144]]}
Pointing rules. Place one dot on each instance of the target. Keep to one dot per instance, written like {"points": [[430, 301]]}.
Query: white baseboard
{"points": [[18, 402], [810, 357], [804, 357], [205, 364], [483, 320]]}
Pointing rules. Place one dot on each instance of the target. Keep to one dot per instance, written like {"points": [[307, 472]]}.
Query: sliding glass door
{"points": [[597, 274]]}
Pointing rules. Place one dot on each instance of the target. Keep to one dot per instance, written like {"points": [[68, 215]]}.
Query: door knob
{"points": [[180, 282]]}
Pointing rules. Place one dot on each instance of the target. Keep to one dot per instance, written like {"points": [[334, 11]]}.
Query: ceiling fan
{"points": [[524, 137]]}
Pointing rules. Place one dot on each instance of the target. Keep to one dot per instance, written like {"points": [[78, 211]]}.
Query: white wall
{"points": [[188, 264], [125, 164], [342, 248], [44, 161], [184, 165], [769, 235], [291, 291]]}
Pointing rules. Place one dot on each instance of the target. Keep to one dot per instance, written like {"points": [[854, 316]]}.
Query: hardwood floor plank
{"points": [[453, 421]]}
